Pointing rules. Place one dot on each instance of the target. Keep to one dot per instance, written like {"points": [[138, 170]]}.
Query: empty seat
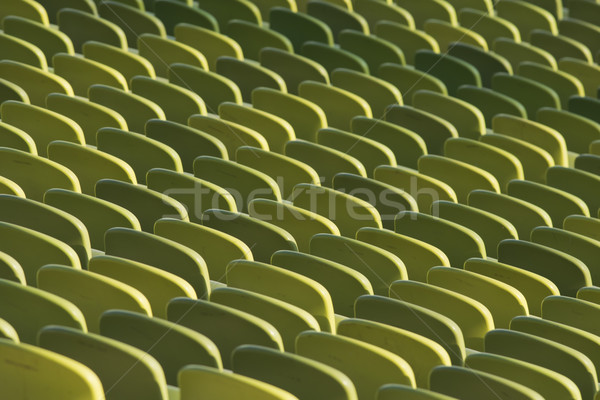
{"points": [[579, 132], [162, 52], [35, 82], [15, 138], [254, 38], [487, 63], [577, 182], [381, 11], [334, 57], [409, 80], [516, 52], [565, 85], [571, 311], [451, 70], [238, 9], [446, 33], [248, 76], [82, 27], [560, 46], [81, 73], [422, 11], [586, 72], [338, 18], [375, 51], [488, 25], [531, 94], [299, 27], [409, 40], [526, 17], [12, 91], [208, 42], [490, 102], [133, 22], [20, 50], [127, 63], [582, 31], [174, 13]]}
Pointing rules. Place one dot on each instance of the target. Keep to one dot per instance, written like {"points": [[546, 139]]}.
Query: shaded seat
{"points": [[82, 27], [531, 94], [132, 21], [577, 182], [174, 13], [490, 102], [299, 27], [564, 84], [451, 70], [249, 76], [254, 38], [205, 39], [127, 63], [409, 40]]}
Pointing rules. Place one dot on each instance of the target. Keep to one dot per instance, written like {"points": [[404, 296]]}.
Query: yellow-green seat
{"points": [[243, 182], [585, 106], [326, 161], [462, 177], [284, 285], [517, 52], [564, 84], [421, 353], [52, 7], [580, 183], [8, 332], [546, 382], [43, 309], [447, 34], [504, 166], [188, 142], [123, 370], [149, 153], [262, 238], [469, 384], [231, 134], [162, 52], [545, 353], [452, 71], [305, 116], [571, 311], [332, 58], [14, 48], [42, 125], [213, 384], [81, 73], [378, 265], [173, 13], [531, 285], [11, 91], [343, 283], [289, 320], [583, 31], [433, 129], [34, 174], [419, 320], [408, 39], [134, 108], [249, 75], [586, 226], [557, 203], [157, 285], [97, 215], [394, 391], [567, 272], [487, 63], [300, 376], [203, 38], [82, 27], [127, 63], [254, 38], [30, 371], [26, 9], [526, 17], [579, 132], [300, 223], [589, 294], [173, 346], [91, 293], [224, 12], [560, 46], [276, 130], [132, 21], [374, 50], [490, 102], [15, 138], [215, 247], [466, 118], [299, 27], [583, 11], [502, 300], [587, 73], [9, 187], [531, 94], [487, 24], [382, 11], [427, 9], [337, 17], [177, 103], [265, 6], [11, 270]]}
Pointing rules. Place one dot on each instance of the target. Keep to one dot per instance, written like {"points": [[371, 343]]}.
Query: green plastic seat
{"points": [[526, 17], [428, 9], [97, 215], [42, 125], [466, 118], [490, 102], [44, 309], [579, 132], [517, 52], [286, 286], [162, 52], [531, 94], [560, 46], [243, 182], [157, 285], [8, 332], [332, 58], [213, 384], [262, 238], [15, 138], [289, 320], [132, 21], [580, 183], [589, 294], [150, 153], [393, 391], [350, 355], [408, 39], [301, 376], [532, 286], [375, 51], [462, 177], [11, 270], [249, 75], [203, 38], [469, 384], [89, 116], [161, 253], [582, 31], [81, 73], [300, 223], [571, 311], [305, 116], [32, 175], [89, 164], [504, 166], [446, 33], [91, 293], [451, 70], [534, 160], [22, 51], [224, 12], [416, 319], [275, 130], [299, 27], [188, 142], [586, 226], [585, 12], [173, 346], [382, 11], [254, 38], [9, 187], [557, 203], [487, 24], [409, 80], [28, 9], [127, 63], [380, 266], [326, 161], [39, 377], [12, 91], [487, 63], [337, 17], [50, 41], [546, 382], [265, 6], [585, 106], [343, 283], [421, 353], [567, 272], [173, 13], [82, 27], [123, 370], [564, 84], [545, 353], [231, 134], [433, 129]]}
